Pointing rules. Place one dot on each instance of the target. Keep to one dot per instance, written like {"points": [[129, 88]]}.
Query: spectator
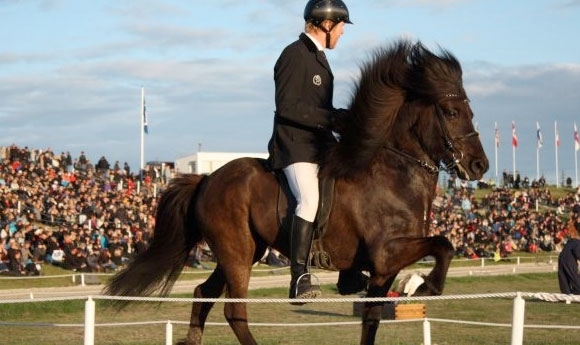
{"points": [[75, 260], [15, 267], [103, 168], [93, 262], [568, 274], [4, 259], [105, 260], [127, 169], [83, 162]]}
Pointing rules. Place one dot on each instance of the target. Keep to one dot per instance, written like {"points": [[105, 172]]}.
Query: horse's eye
{"points": [[452, 113]]}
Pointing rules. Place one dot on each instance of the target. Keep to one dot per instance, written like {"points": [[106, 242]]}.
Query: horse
{"points": [[409, 119]]}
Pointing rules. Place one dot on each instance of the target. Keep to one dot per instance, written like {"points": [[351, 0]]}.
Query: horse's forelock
{"points": [[433, 76]]}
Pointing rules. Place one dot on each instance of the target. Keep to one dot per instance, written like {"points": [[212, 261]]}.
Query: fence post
{"points": [[90, 322], [426, 332], [518, 320], [82, 279], [168, 333]]}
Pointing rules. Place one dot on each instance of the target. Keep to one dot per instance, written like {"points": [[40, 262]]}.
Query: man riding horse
{"points": [[304, 111]]}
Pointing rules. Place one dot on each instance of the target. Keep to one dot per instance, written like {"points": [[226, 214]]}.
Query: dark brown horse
{"points": [[409, 119]]}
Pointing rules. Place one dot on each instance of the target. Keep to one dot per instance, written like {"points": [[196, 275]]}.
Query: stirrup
{"points": [[309, 292]]}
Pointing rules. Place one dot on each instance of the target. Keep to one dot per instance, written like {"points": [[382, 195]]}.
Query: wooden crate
{"points": [[410, 311]]}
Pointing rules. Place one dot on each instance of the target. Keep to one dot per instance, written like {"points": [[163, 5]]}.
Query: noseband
{"points": [[456, 155]]}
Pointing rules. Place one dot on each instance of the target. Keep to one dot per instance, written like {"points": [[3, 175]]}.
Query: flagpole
{"points": [[514, 159], [576, 165], [576, 148], [496, 144], [538, 163], [539, 145], [514, 144], [142, 166], [556, 145]]}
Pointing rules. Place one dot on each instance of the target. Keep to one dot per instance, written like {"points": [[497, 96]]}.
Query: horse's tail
{"points": [[175, 235]]}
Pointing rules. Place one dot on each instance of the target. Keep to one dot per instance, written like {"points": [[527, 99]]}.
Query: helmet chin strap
{"points": [[327, 32]]}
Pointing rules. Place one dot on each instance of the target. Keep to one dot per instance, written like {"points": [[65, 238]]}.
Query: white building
{"points": [[208, 162]]}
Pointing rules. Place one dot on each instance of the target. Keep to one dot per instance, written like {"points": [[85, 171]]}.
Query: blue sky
{"points": [[71, 72]]}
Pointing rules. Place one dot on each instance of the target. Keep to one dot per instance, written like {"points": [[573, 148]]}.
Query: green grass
{"points": [[492, 310]]}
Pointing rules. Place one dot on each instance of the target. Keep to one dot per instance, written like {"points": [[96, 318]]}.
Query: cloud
{"points": [[418, 3], [572, 3], [41, 4]]}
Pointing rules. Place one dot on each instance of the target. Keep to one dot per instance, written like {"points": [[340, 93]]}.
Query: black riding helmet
{"points": [[317, 11]]}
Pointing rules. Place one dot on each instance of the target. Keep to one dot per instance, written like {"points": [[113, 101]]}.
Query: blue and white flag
{"points": [[540, 141], [145, 129]]}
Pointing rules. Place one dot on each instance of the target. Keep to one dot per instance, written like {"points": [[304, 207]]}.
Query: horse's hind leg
{"points": [[237, 313], [211, 288]]}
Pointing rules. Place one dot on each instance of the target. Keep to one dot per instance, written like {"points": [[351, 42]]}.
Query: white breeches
{"points": [[303, 181]]}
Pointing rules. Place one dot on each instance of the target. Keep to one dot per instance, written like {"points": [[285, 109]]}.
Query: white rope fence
{"points": [[517, 325]]}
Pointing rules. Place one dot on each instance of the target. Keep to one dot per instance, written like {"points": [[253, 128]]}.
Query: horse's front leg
{"points": [[372, 311], [443, 252], [402, 252]]}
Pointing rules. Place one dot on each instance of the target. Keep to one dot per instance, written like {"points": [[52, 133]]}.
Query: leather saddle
{"points": [[286, 205]]}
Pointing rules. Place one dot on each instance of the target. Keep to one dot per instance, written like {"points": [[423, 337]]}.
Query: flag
{"points": [[540, 141], [145, 129], [496, 136], [576, 139], [514, 136]]}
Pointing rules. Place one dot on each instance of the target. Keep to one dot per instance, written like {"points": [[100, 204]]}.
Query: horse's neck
{"points": [[424, 191], [413, 186]]}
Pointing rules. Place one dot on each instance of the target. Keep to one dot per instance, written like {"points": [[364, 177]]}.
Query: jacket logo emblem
{"points": [[317, 80]]}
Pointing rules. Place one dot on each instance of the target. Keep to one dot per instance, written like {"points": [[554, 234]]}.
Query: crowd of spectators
{"points": [[505, 220], [71, 213], [93, 218]]}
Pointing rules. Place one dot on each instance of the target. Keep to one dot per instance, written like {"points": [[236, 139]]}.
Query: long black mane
{"points": [[397, 74]]}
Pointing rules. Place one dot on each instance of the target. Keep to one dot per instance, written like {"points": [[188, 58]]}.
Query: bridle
{"points": [[456, 154]]}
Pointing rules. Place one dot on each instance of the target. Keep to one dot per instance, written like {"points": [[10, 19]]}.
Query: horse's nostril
{"points": [[480, 166]]}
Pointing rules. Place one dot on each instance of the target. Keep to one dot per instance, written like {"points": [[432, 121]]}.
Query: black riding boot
{"points": [[301, 235]]}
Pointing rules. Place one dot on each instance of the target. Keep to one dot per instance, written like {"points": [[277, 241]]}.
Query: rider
{"points": [[304, 111]]}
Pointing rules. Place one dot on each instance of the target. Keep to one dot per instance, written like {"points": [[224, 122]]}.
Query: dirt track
{"points": [[278, 278]]}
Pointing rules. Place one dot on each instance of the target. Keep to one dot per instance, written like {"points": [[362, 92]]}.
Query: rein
{"points": [[456, 154]]}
